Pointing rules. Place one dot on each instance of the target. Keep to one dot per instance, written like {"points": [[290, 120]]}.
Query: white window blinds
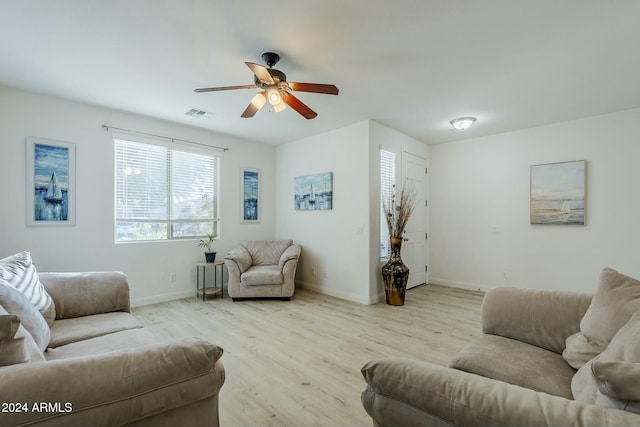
{"points": [[387, 180], [164, 192]]}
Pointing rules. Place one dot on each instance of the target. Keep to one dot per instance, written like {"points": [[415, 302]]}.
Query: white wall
{"points": [[89, 244], [479, 203], [335, 243], [480, 207], [341, 245]]}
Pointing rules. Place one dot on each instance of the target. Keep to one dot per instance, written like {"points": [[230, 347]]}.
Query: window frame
{"points": [[387, 180], [169, 221]]}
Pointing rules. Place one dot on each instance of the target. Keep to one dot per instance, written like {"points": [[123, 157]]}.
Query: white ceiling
{"points": [[412, 65]]}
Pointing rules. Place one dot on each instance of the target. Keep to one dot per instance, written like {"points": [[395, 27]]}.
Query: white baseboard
{"points": [[460, 285], [137, 302], [313, 287]]}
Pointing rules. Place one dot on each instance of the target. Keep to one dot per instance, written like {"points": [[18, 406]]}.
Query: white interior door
{"points": [[414, 247]]}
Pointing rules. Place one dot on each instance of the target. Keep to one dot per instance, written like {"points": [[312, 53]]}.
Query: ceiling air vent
{"points": [[197, 113]]}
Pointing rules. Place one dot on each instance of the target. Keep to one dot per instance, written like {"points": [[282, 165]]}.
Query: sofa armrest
{"points": [[539, 317], [241, 256], [83, 294], [113, 388], [291, 253], [410, 393]]}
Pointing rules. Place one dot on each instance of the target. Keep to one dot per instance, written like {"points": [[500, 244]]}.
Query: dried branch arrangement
{"points": [[399, 208]]}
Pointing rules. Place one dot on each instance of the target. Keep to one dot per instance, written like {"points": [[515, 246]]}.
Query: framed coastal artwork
{"points": [[250, 185], [51, 182], [313, 192], [558, 193]]}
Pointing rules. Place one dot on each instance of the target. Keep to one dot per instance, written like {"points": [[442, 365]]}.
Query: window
{"points": [[164, 192], [387, 180]]}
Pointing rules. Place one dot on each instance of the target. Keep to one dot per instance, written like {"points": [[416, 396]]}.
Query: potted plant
{"points": [[397, 212], [206, 243]]}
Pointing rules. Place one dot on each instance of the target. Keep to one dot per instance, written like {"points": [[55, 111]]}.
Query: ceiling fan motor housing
{"points": [[277, 75]]}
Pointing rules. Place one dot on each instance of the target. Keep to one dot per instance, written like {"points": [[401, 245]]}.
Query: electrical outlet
{"points": [[505, 275], [173, 277]]}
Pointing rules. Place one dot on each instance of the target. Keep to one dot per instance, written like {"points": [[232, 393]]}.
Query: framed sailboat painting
{"points": [[313, 192], [51, 182], [251, 203], [558, 193]]}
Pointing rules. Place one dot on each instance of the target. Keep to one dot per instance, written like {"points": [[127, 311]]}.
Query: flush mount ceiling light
{"points": [[462, 123]]}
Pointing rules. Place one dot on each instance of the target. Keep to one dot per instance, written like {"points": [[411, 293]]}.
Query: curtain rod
{"points": [[106, 128]]}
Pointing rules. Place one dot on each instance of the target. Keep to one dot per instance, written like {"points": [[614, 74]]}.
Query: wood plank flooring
{"points": [[297, 363]]}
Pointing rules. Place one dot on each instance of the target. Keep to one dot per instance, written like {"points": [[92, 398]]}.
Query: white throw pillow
{"points": [[615, 301], [591, 380], [18, 271], [16, 344], [14, 302]]}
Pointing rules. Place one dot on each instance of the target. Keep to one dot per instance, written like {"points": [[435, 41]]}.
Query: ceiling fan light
{"points": [[259, 100], [279, 107], [274, 97], [462, 123]]}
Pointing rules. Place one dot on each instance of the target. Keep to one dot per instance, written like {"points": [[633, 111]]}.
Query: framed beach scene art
{"points": [[313, 192], [558, 193], [250, 184], [50, 182]]}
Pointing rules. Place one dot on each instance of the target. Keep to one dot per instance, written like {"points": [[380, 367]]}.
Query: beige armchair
{"points": [[262, 268]]}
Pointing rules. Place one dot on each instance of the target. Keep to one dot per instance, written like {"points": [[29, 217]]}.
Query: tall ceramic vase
{"points": [[395, 275]]}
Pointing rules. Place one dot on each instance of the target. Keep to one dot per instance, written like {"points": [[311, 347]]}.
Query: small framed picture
{"points": [[51, 182], [313, 192], [558, 193], [250, 187]]}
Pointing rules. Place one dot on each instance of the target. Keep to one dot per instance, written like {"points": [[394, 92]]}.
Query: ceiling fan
{"points": [[275, 89]]}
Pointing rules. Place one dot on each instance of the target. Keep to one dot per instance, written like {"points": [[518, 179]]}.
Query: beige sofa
{"points": [[100, 367], [522, 370], [262, 269]]}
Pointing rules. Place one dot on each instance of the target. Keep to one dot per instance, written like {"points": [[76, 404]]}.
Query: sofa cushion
{"points": [[615, 301], [12, 348], [18, 271], [266, 252], [14, 302], [87, 293], [538, 317], [517, 363], [66, 331], [16, 344], [9, 324], [606, 388], [122, 340], [262, 275]]}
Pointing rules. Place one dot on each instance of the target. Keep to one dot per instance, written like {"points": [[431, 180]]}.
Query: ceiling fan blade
{"points": [[261, 73], [215, 89], [298, 105], [314, 87], [255, 105]]}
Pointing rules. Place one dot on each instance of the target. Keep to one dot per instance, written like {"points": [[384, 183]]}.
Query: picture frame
{"points": [[250, 201], [313, 192], [558, 193], [51, 182]]}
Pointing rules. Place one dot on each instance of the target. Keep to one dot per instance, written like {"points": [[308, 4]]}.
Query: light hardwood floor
{"points": [[297, 363]]}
